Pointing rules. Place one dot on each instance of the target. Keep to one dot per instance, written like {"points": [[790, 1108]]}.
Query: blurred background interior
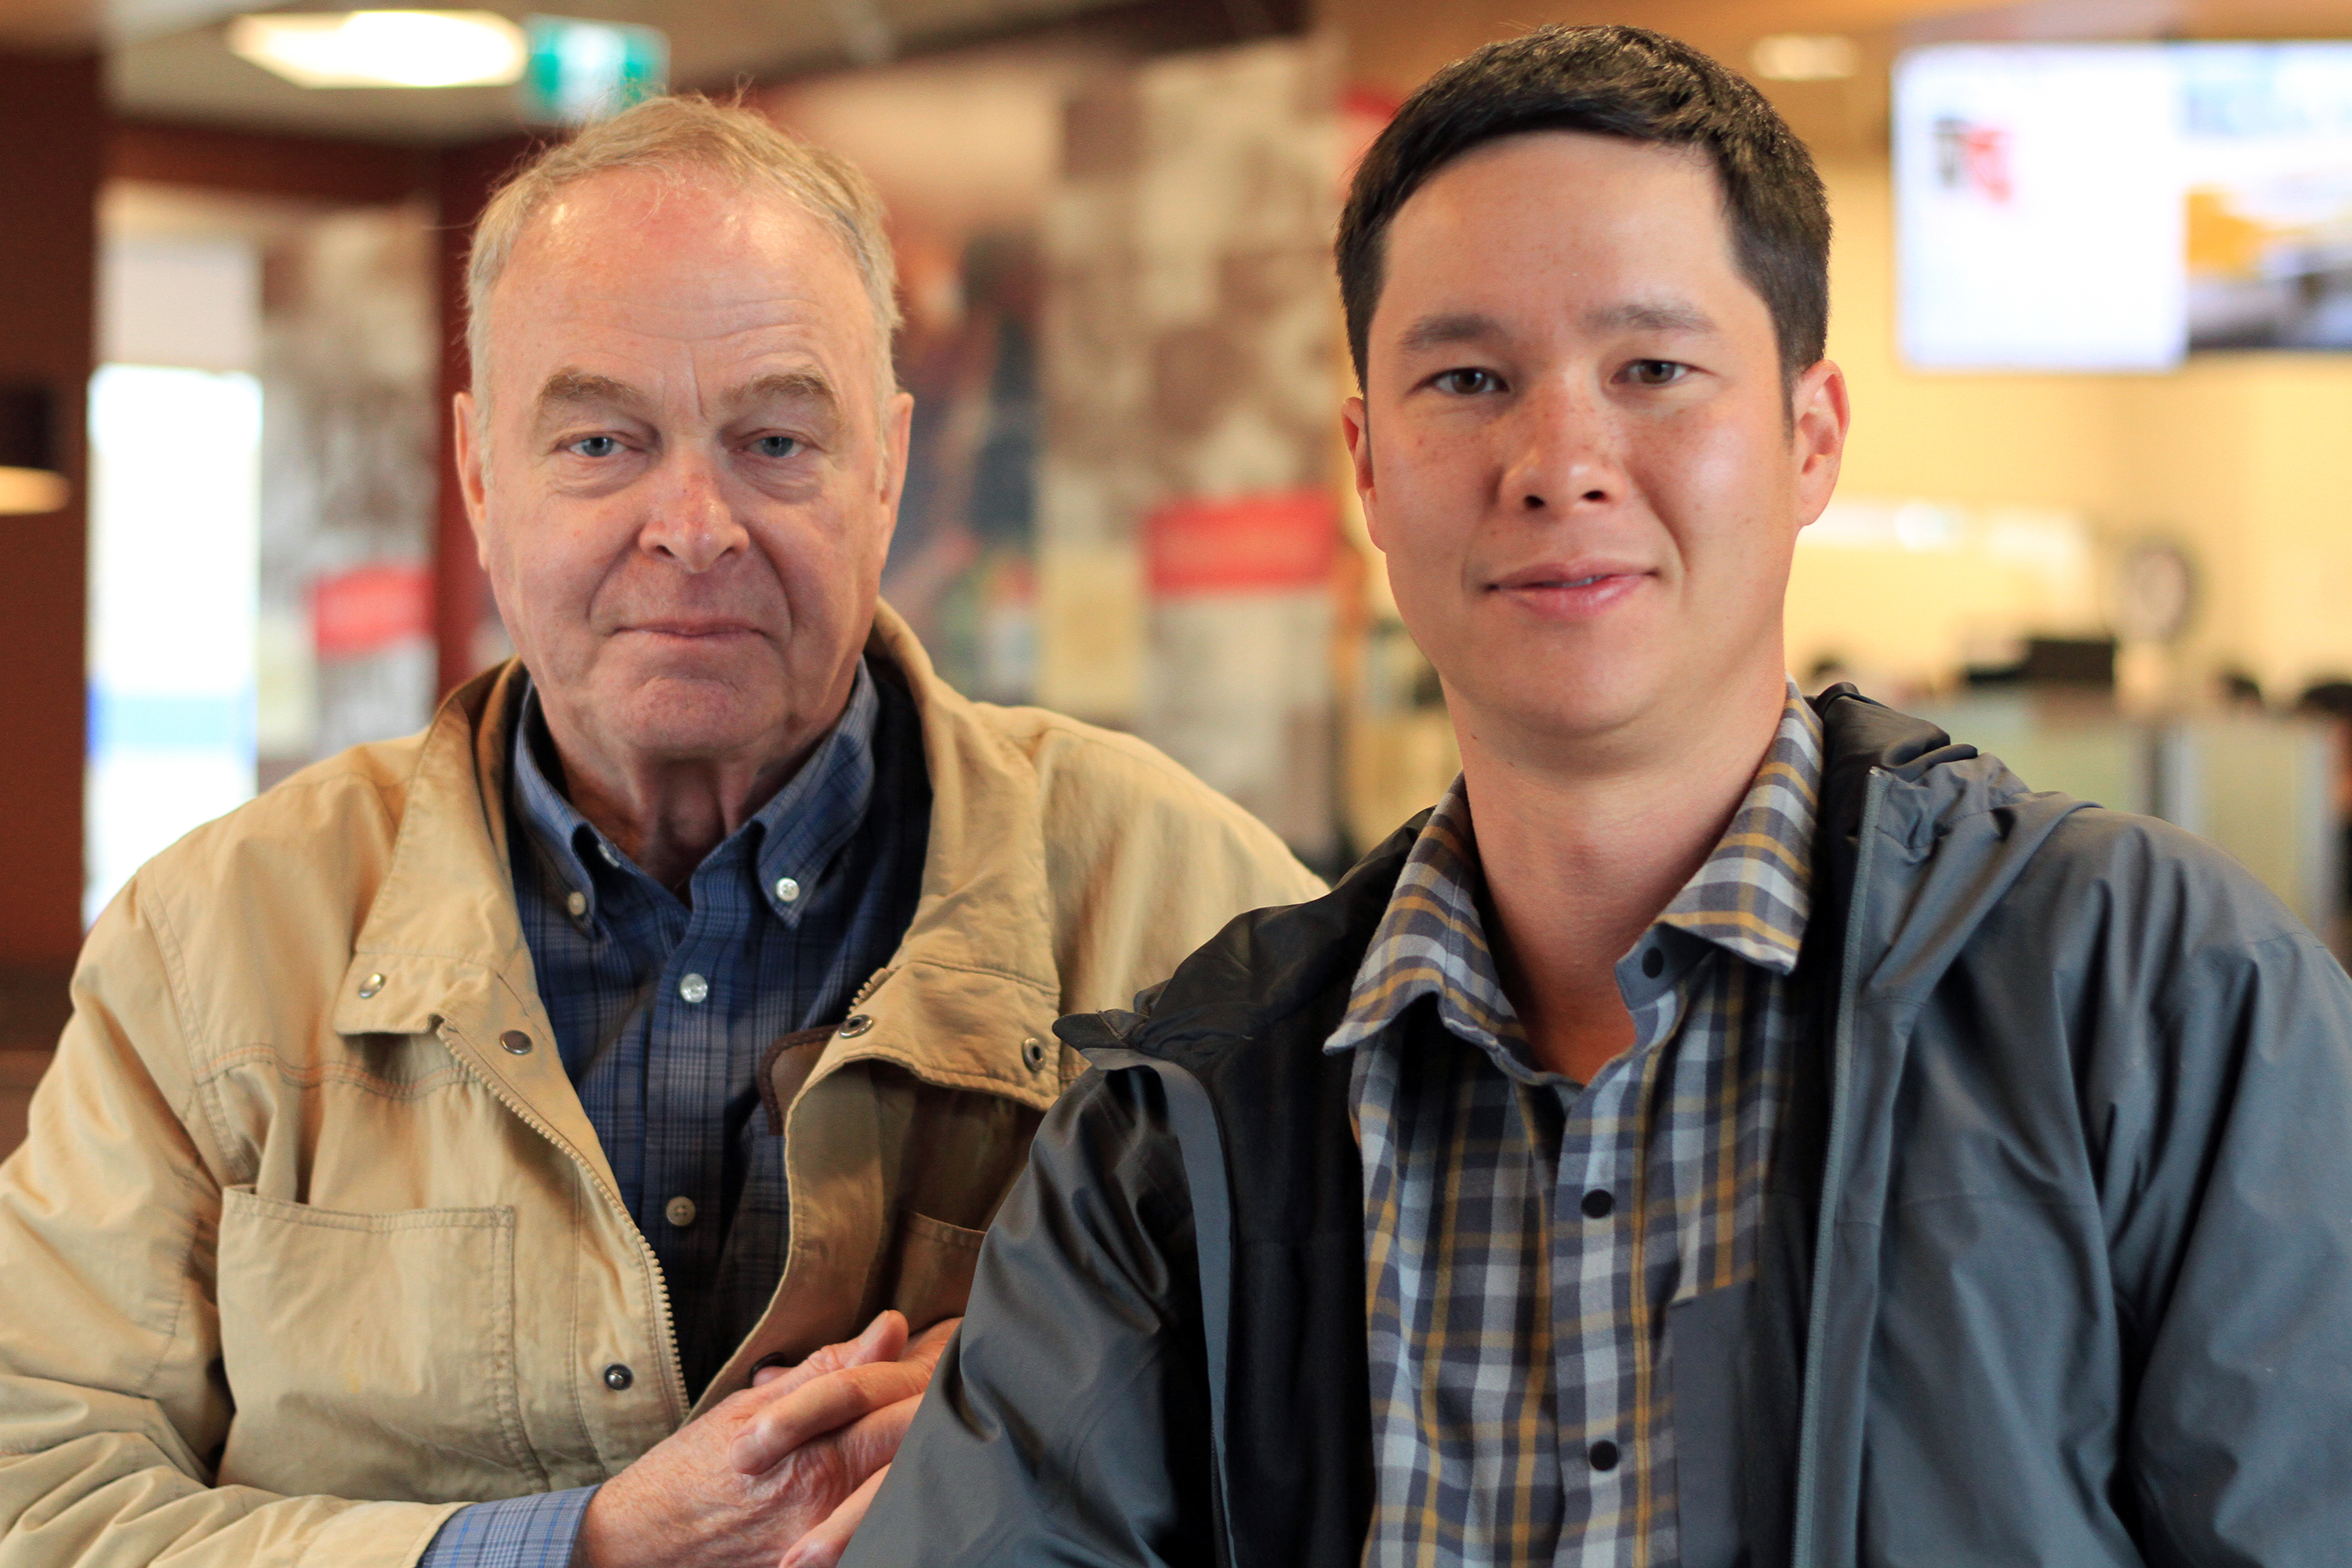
{"points": [[2093, 288]]}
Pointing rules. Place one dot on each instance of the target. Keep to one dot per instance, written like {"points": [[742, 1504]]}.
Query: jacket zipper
{"points": [[1809, 1436], [676, 1385]]}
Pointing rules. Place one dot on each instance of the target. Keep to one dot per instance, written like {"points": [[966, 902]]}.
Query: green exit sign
{"points": [[579, 71]]}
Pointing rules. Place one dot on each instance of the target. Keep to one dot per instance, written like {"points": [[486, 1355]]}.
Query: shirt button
{"points": [[680, 1212], [618, 1377], [787, 891], [1653, 962], [694, 988], [1603, 1454], [577, 903], [1597, 1204]]}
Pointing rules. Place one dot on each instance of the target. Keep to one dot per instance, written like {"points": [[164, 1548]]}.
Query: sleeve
{"points": [[2233, 1261], [1068, 1422], [514, 1532], [112, 1408]]}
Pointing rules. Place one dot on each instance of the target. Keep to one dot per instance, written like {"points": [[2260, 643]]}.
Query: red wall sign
{"points": [[369, 609], [1275, 542]]}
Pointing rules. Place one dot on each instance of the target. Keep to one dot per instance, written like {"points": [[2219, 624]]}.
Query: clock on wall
{"points": [[2156, 592]]}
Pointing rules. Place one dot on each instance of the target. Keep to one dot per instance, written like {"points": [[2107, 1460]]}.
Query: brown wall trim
{"points": [[265, 164]]}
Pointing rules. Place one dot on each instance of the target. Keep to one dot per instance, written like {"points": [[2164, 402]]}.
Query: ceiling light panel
{"points": [[383, 48], [1804, 57]]}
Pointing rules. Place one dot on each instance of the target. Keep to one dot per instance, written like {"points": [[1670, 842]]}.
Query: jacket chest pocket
{"points": [[371, 1355], [926, 1271]]}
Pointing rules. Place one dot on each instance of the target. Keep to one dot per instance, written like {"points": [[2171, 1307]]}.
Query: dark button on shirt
{"points": [[663, 1006]]}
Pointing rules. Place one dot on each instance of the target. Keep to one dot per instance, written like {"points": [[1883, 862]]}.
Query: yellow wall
{"points": [[2244, 459]]}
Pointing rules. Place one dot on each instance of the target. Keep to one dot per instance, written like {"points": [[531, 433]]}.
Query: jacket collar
{"points": [[983, 931], [1937, 795], [442, 948]]}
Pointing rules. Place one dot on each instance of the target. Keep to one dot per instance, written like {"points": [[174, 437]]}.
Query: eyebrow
{"points": [[1671, 316], [1473, 326], [1451, 327], [791, 386], [578, 387]]}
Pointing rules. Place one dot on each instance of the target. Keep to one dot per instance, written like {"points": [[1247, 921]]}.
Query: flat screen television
{"points": [[2115, 207]]}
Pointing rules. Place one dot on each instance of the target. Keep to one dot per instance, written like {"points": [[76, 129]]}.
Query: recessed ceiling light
{"points": [[1804, 56], [383, 48], [33, 490]]}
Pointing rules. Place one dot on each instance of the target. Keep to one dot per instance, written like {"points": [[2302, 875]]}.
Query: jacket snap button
{"points": [[618, 1377], [855, 1025], [370, 986], [1032, 1054], [516, 1042]]}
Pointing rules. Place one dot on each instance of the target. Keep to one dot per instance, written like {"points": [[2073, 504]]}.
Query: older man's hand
{"points": [[779, 1473]]}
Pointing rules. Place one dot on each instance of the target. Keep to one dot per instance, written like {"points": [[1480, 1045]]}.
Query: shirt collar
{"points": [[1751, 897], [792, 838], [1754, 892]]}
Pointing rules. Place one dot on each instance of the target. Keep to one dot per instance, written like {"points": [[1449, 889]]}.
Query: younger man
{"points": [[1728, 1128]]}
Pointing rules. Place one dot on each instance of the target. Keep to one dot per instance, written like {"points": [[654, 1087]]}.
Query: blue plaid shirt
{"points": [[662, 1006], [1525, 1235]]}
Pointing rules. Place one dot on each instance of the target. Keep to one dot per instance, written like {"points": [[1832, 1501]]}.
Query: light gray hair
{"points": [[679, 138]]}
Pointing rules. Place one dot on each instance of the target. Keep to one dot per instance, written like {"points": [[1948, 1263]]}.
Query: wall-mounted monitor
{"points": [[2114, 206]]}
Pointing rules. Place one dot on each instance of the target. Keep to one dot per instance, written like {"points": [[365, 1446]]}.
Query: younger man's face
{"points": [[1576, 447]]}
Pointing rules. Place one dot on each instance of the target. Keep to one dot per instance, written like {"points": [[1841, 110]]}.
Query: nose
{"points": [[691, 524], [1562, 452]]}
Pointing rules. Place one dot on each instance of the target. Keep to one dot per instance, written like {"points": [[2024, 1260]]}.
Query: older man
{"points": [[456, 1122]]}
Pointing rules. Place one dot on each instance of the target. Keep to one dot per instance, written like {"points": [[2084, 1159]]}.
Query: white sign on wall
{"points": [[2040, 215]]}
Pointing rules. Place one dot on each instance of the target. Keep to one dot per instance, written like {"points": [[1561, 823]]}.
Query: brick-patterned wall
{"points": [[1190, 360]]}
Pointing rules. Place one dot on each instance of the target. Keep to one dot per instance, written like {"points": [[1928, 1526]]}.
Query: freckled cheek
{"points": [[1705, 481], [1431, 496]]}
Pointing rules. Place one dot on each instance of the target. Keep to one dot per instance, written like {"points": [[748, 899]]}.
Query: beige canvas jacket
{"points": [[311, 1241]]}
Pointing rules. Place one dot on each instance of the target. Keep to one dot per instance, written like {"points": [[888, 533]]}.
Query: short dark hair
{"points": [[1613, 81]]}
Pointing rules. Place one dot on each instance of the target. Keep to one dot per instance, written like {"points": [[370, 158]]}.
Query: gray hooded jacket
{"points": [[2057, 1265]]}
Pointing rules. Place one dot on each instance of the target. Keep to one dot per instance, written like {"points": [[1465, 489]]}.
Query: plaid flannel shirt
{"points": [[662, 1008], [1525, 1235]]}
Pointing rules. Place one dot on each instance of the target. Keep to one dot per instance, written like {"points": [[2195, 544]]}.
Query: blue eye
{"points": [[596, 446], [1468, 383], [777, 446]]}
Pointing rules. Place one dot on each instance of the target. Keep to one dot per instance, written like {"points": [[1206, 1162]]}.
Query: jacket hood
{"points": [[1950, 831]]}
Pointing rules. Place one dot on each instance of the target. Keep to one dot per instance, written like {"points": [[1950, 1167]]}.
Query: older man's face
{"points": [[687, 477]]}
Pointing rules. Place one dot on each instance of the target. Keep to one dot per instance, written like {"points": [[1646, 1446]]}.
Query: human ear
{"points": [[473, 482], [1356, 423], [1820, 414], [897, 428]]}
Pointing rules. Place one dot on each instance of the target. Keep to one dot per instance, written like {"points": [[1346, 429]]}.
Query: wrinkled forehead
{"points": [[687, 260]]}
